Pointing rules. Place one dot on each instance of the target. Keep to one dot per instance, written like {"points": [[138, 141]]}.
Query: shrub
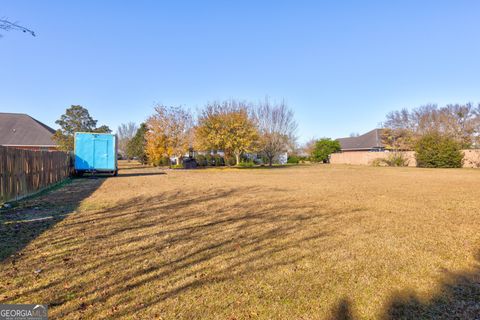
{"points": [[217, 160], [394, 159], [201, 160], [209, 159], [378, 162], [434, 150], [293, 159], [303, 159], [246, 164], [164, 161], [230, 161], [263, 159], [155, 162], [397, 159]]}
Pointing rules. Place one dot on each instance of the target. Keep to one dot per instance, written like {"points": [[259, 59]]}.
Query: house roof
{"points": [[367, 141], [18, 129]]}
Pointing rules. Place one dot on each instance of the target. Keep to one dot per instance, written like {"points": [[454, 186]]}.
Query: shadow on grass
{"points": [[140, 174], [276, 166], [175, 242], [343, 310], [34, 215], [147, 251], [256, 167], [457, 298], [133, 166], [241, 240]]}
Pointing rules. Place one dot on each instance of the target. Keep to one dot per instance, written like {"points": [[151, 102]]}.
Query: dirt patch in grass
{"points": [[312, 242]]}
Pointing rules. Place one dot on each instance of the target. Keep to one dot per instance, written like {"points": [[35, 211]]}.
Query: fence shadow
{"points": [[32, 216]]}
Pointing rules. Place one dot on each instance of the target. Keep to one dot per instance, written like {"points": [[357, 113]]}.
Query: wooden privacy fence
{"points": [[24, 172]]}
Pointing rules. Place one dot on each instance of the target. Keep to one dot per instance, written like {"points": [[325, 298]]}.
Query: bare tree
{"points": [[399, 130], [277, 128], [125, 133], [8, 26], [308, 147], [461, 122]]}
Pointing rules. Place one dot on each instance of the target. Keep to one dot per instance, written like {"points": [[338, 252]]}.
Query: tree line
{"points": [[234, 127], [237, 128], [461, 122], [437, 134]]}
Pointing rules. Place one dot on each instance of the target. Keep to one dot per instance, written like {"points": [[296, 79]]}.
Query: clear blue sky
{"points": [[340, 65]]}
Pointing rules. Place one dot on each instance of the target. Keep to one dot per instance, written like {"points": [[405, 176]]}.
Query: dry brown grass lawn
{"points": [[319, 242]]}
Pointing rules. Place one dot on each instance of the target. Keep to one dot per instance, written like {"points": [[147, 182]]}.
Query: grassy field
{"points": [[308, 242]]}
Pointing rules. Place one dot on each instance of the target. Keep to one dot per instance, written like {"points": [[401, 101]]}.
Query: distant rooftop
{"points": [[18, 129], [368, 141]]}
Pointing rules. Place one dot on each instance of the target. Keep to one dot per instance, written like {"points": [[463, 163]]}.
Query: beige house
{"points": [[364, 149]]}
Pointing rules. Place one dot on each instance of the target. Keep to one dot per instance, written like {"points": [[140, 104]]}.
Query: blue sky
{"points": [[341, 66]]}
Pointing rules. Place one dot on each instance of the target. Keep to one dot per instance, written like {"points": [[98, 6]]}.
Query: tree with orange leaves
{"points": [[169, 133]]}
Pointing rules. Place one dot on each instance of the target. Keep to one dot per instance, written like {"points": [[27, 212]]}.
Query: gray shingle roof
{"points": [[367, 141], [18, 129]]}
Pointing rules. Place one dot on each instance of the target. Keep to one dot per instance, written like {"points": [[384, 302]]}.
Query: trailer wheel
{"points": [[115, 173]]}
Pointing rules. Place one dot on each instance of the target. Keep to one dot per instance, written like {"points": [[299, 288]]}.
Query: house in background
{"points": [[370, 141], [18, 130]]}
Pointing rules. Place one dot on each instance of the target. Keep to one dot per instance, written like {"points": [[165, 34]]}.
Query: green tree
{"points": [[136, 145], [434, 150], [75, 119], [102, 129], [323, 149]]}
